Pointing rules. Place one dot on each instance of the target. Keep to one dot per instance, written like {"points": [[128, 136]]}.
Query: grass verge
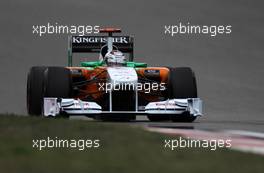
{"points": [[123, 148]]}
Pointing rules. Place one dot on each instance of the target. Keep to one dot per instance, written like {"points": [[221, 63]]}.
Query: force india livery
{"points": [[113, 87]]}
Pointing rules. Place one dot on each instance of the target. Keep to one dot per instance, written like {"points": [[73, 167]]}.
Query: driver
{"points": [[115, 58]]}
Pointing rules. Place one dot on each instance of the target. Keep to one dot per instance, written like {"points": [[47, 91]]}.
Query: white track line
{"points": [[245, 133], [245, 141]]}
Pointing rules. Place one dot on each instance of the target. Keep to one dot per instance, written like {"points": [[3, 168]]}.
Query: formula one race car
{"points": [[114, 87]]}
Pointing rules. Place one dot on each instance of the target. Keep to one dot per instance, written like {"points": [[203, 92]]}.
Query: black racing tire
{"points": [[182, 84], [183, 118], [58, 82], [35, 83]]}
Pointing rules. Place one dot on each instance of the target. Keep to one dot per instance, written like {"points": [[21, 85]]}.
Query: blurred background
{"points": [[229, 68]]}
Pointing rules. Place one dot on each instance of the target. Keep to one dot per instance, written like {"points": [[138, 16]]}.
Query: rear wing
{"points": [[93, 44]]}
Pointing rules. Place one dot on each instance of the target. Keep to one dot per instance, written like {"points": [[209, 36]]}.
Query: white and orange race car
{"points": [[114, 87]]}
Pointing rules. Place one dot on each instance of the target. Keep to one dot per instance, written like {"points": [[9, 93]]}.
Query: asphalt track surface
{"points": [[229, 68]]}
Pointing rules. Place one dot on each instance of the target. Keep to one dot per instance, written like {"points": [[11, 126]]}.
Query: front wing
{"points": [[56, 106]]}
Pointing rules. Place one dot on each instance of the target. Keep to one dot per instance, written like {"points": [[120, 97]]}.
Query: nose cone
{"points": [[122, 75]]}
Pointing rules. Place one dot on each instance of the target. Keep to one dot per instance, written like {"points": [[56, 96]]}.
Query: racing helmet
{"points": [[115, 58]]}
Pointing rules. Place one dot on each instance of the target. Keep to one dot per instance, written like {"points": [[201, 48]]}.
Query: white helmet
{"points": [[115, 58]]}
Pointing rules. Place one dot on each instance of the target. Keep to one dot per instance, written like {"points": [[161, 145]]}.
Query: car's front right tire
{"points": [[35, 83], [57, 82], [46, 82]]}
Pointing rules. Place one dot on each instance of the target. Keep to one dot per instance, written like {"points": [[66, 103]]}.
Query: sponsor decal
{"points": [[93, 39]]}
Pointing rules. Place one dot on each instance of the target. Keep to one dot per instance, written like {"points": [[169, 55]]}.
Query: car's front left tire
{"points": [[182, 85]]}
